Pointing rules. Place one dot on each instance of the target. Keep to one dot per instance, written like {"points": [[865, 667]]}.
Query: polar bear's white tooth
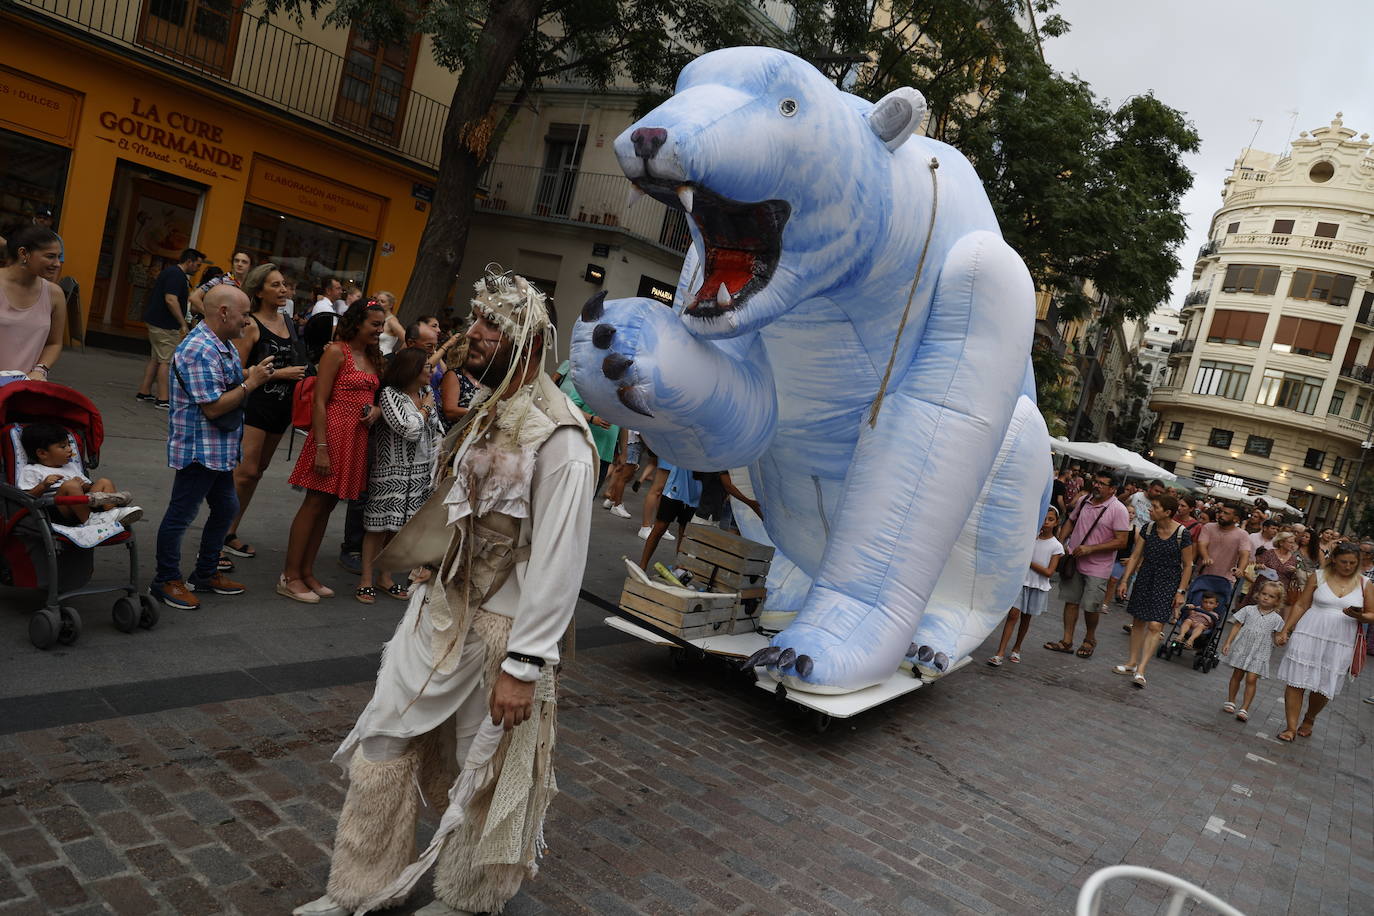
{"points": [[684, 194], [723, 297], [634, 196]]}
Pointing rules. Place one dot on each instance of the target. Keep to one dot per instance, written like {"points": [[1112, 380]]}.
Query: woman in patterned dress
{"points": [[405, 446], [1163, 565], [333, 463]]}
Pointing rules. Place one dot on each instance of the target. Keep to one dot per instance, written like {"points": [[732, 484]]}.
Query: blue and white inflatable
{"points": [[852, 328]]}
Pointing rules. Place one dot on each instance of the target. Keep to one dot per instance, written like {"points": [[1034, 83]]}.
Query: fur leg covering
{"points": [[376, 835], [464, 885]]}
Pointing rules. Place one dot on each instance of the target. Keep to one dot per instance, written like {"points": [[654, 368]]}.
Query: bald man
{"points": [[204, 431]]}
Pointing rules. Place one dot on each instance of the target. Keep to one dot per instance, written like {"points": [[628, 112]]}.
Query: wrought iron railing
{"points": [[1182, 346], [589, 198], [1208, 249], [1358, 373], [226, 46], [1197, 297]]}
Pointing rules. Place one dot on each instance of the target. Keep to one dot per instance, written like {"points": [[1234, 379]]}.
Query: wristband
{"points": [[534, 660]]}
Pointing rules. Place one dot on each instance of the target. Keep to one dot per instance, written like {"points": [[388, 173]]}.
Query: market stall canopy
{"points": [[1112, 456]]}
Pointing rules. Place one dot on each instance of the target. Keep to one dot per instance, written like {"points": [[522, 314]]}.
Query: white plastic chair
{"points": [[1090, 897]]}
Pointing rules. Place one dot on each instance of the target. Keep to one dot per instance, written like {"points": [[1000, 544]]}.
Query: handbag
{"points": [[1361, 648], [1068, 564], [229, 422], [303, 403]]}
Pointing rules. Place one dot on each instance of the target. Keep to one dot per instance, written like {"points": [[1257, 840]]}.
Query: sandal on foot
{"points": [[1286, 735], [1138, 681], [1228, 706], [995, 661], [1123, 669], [366, 594], [399, 591], [305, 597], [236, 545], [1015, 657], [1243, 715], [1125, 628], [1305, 730], [1061, 646], [1086, 650]]}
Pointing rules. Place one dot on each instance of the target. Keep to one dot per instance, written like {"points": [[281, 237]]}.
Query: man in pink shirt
{"points": [[1223, 546], [1094, 531]]}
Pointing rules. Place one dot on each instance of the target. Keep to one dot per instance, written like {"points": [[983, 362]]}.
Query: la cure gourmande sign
{"points": [[175, 137]]}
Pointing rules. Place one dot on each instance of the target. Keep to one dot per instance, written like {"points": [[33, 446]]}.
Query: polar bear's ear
{"points": [[897, 115]]}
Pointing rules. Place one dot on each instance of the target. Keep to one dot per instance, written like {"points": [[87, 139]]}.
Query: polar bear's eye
{"points": [[788, 107]]}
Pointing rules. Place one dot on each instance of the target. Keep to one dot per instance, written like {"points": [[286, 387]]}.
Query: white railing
{"points": [[1283, 240]]}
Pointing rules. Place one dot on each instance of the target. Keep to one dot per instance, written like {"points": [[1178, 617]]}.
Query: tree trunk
{"points": [[464, 154]]}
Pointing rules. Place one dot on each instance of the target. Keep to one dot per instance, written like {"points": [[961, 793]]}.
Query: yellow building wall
{"points": [[104, 89]]}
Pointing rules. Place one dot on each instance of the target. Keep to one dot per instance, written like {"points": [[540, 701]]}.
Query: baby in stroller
{"points": [[1199, 618], [53, 470]]}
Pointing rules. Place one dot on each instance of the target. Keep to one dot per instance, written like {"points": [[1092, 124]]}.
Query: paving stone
{"points": [[219, 866], [92, 797], [94, 858], [205, 808], [57, 887]]}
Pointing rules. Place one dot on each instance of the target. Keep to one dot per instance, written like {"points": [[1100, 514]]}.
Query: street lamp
{"points": [[1354, 487]]}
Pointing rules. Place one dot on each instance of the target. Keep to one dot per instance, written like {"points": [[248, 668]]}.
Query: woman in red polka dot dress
{"points": [[333, 464]]}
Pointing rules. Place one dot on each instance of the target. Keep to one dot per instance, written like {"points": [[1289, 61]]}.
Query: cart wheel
{"points": [[44, 625], [70, 630], [820, 721], [126, 613], [1199, 663], [148, 613]]}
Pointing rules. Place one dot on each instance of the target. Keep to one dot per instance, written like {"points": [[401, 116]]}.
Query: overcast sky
{"points": [[1224, 63]]}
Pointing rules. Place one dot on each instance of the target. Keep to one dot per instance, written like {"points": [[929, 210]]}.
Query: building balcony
{"points": [[1208, 249], [1347, 428], [1268, 241], [1197, 297], [223, 47], [1363, 374], [1182, 346], [582, 198]]}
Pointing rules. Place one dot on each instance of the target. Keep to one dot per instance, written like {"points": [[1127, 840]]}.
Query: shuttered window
{"points": [[1260, 279], [1306, 338], [1321, 286], [1235, 327]]}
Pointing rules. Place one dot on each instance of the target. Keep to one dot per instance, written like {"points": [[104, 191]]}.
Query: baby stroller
{"points": [[1205, 655], [37, 559]]}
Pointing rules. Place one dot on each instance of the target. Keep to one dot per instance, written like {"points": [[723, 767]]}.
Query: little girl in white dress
{"points": [[1249, 645]]}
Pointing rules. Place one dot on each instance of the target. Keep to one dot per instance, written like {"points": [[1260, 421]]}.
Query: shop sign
{"points": [[601, 250], [315, 197], [388, 249], [423, 192], [38, 109], [656, 289], [173, 137], [595, 273]]}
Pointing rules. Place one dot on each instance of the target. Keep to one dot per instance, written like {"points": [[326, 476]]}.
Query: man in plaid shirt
{"points": [[208, 388]]}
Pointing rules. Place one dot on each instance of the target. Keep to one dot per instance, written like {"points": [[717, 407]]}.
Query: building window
{"points": [[306, 252], [1232, 228], [1322, 286], [1224, 380], [1220, 438], [1176, 430], [1337, 467], [1361, 401], [1283, 227], [376, 79], [1258, 445], [1337, 403], [1315, 459], [1260, 279], [1289, 391], [1326, 230], [33, 175], [1306, 338], [201, 32], [1229, 326]]}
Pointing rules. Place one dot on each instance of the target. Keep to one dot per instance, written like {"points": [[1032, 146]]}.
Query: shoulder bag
{"points": [[229, 422], [1068, 566]]}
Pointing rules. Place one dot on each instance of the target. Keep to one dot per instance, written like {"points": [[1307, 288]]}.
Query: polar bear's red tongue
{"points": [[730, 267]]}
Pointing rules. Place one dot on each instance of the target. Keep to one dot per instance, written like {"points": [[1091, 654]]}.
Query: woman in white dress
{"points": [[1320, 635]]}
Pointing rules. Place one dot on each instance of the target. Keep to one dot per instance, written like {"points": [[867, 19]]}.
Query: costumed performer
{"points": [[463, 712]]}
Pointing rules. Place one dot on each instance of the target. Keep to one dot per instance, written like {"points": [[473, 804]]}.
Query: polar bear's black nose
{"points": [[648, 141]]}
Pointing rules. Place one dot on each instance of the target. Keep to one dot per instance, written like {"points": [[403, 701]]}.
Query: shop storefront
{"points": [[137, 167]]}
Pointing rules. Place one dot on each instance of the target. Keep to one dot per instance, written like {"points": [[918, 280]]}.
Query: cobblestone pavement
{"points": [[995, 791]]}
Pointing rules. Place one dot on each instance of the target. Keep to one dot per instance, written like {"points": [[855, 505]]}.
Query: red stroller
{"points": [[35, 559]]}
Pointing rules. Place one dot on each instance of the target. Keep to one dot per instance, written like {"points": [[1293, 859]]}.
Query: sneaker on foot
{"points": [[324, 906], [140, 396], [620, 511], [174, 594], [669, 536], [109, 500], [351, 561], [163, 405], [644, 533], [219, 583], [606, 504]]}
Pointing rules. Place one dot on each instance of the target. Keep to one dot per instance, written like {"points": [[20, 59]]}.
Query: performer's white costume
{"points": [[507, 529]]}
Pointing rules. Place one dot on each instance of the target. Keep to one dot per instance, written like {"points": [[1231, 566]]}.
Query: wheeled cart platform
{"points": [[823, 708]]}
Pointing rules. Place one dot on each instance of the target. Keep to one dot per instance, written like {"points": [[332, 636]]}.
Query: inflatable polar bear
{"points": [[891, 432]]}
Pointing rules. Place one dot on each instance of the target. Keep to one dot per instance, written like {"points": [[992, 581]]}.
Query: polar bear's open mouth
{"points": [[743, 242]]}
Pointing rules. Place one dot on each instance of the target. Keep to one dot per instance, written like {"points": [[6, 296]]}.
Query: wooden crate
{"points": [[680, 611], [724, 561]]}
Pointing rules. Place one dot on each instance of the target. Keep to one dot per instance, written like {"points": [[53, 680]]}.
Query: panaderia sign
{"points": [[171, 137]]}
